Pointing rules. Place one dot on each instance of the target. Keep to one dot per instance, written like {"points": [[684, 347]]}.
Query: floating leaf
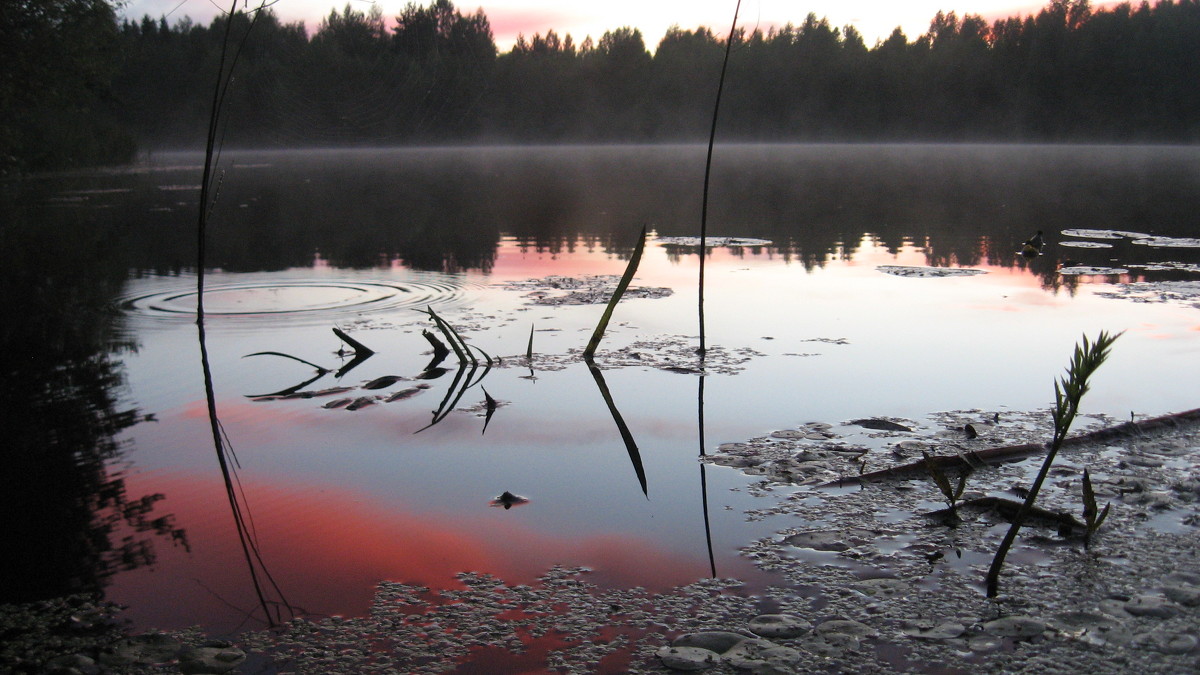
{"points": [[382, 382]]}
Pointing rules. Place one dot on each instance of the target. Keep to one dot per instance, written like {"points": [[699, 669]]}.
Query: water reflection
{"points": [[509, 212], [446, 210], [71, 520]]}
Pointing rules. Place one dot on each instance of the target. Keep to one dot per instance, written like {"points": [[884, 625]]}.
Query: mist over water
{"points": [[307, 240]]}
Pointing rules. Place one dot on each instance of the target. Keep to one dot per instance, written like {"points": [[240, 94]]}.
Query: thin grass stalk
{"points": [[1068, 391], [712, 137], [622, 286], [220, 443]]}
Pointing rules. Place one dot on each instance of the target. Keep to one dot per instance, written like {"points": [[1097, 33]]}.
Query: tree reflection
{"points": [[70, 520]]}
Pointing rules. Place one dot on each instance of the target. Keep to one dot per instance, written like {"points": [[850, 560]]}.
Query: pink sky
{"points": [[875, 19]]}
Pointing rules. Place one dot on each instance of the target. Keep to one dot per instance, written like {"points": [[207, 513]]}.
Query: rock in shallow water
{"points": [[1015, 627], [718, 641], [1150, 605], [756, 654], [688, 658], [778, 626], [214, 660]]}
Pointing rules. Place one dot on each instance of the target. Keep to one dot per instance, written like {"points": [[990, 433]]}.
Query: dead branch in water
{"points": [[1012, 453]]}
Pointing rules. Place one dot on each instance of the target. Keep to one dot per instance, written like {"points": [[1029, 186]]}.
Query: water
{"points": [[108, 399]]}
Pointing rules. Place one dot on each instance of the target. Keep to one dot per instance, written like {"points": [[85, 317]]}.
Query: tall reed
{"points": [[228, 60], [712, 137]]}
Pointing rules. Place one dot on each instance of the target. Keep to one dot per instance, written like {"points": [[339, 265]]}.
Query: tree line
{"points": [[433, 74]]}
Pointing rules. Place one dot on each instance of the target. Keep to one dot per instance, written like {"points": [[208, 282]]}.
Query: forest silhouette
{"points": [[433, 75]]}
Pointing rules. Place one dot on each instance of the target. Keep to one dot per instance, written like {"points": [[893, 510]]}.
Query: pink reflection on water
{"points": [[327, 548]]}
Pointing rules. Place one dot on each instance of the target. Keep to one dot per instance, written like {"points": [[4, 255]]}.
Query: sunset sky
{"points": [[875, 19]]}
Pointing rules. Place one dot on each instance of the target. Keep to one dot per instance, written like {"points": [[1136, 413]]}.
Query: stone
{"points": [[1150, 605], [756, 654], [210, 660], [778, 626], [828, 540], [687, 658], [846, 627], [1015, 627], [1166, 642], [883, 587], [947, 630], [1183, 594], [718, 641], [148, 649]]}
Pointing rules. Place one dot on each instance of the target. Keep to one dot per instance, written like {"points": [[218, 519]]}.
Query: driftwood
{"points": [[1065, 523], [1010, 453]]}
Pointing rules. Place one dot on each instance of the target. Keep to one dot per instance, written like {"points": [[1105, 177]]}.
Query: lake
{"points": [[811, 316]]}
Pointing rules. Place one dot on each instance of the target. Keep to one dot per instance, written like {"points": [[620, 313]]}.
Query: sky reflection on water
{"points": [[341, 499]]}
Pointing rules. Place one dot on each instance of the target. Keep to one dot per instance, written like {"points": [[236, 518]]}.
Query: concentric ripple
{"points": [[324, 299]]}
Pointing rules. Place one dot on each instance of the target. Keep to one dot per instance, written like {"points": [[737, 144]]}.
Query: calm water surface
{"points": [[124, 494]]}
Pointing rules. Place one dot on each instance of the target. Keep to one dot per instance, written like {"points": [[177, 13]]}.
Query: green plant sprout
{"points": [[952, 494], [1093, 518], [1068, 391]]}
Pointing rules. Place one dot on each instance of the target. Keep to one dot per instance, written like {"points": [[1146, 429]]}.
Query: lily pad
{"points": [[1079, 270], [927, 272], [734, 242], [1084, 244], [1092, 234], [1168, 242]]}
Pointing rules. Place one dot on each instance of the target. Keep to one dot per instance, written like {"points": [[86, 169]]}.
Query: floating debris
{"points": [[928, 272], [406, 393], [587, 290], [1081, 270], [713, 242], [1168, 242], [1169, 266], [880, 424], [361, 402], [1084, 244], [507, 500], [383, 382], [1105, 234], [1157, 291]]}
